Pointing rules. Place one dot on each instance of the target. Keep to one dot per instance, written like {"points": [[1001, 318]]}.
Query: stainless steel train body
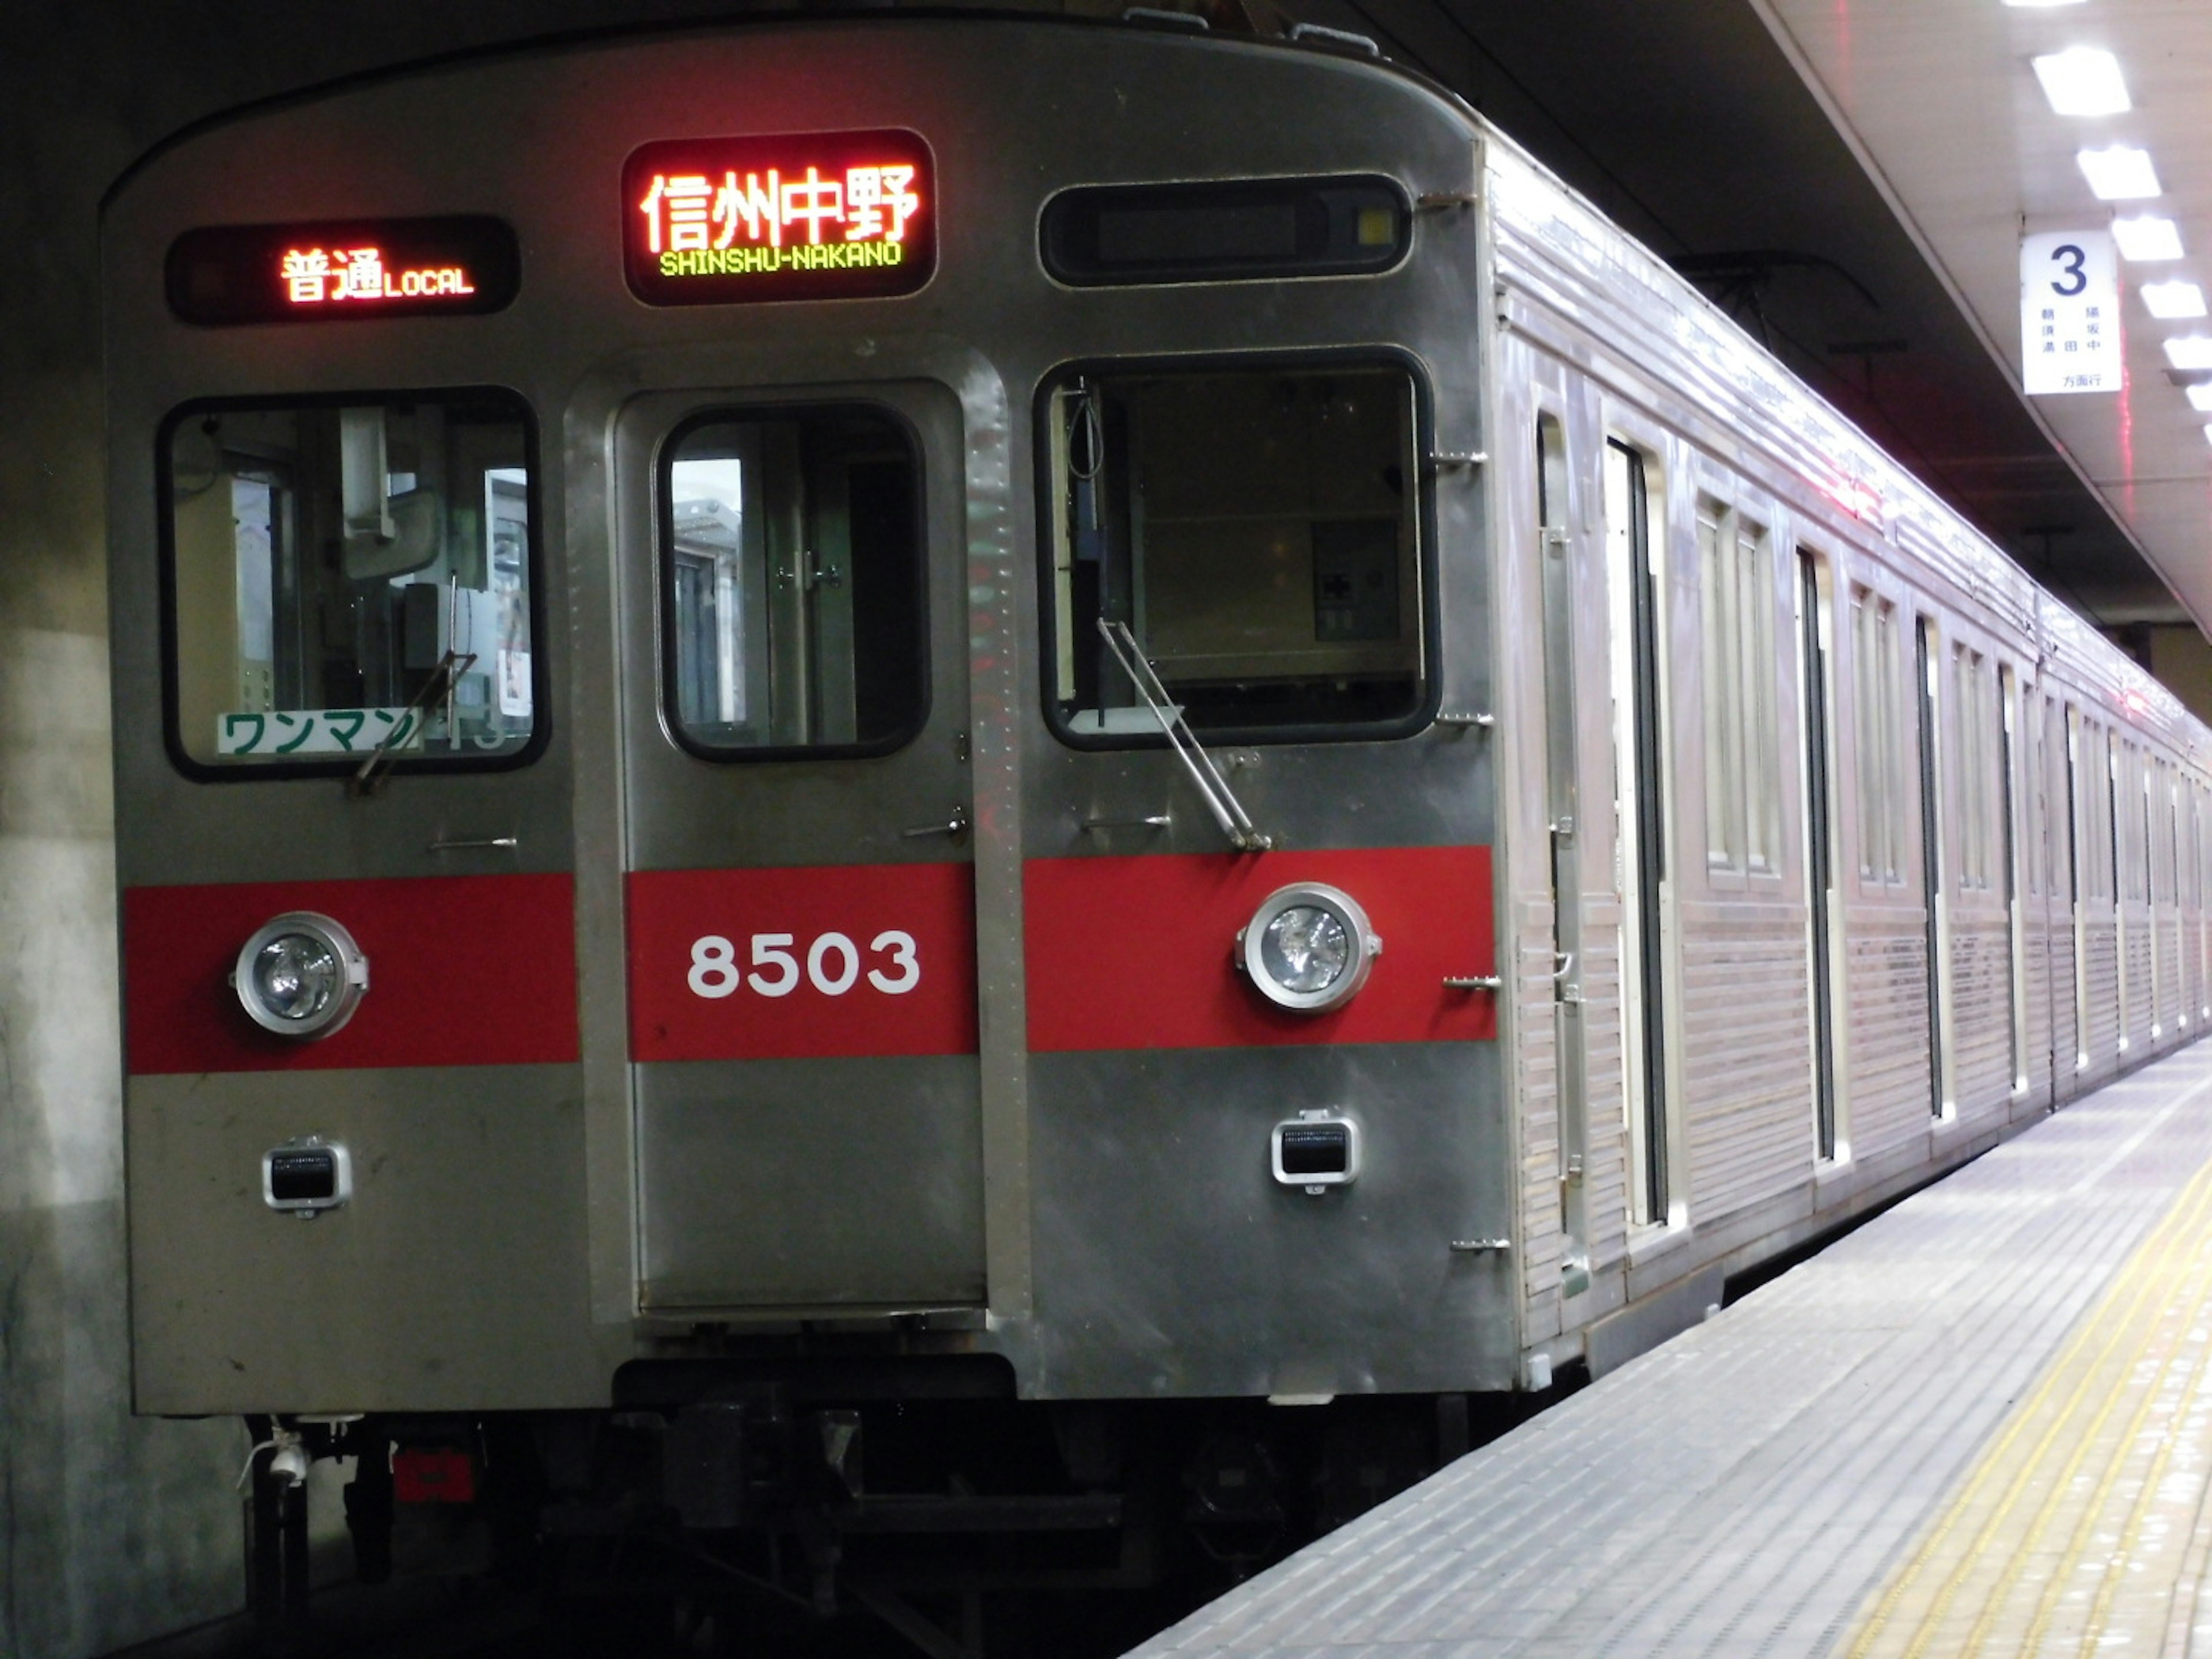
{"points": [[796, 968]]}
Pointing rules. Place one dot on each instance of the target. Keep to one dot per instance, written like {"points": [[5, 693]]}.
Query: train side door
{"points": [[799, 894], [1640, 810], [1932, 871]]}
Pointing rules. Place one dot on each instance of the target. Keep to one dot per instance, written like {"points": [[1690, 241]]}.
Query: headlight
{"points": [[302, 975], [1308, 948]]}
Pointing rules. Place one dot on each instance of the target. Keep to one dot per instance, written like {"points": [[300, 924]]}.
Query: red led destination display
{"points": [[332, 271], [817, 216]]}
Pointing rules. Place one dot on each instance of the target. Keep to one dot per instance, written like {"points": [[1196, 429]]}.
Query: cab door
{"points": [[799, 891]]}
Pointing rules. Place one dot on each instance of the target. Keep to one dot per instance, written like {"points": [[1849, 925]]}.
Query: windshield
{"points": [[347, 576], [1259, 532]]}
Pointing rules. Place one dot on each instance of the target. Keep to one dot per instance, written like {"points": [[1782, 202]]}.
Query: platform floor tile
{"points": [[1982, 1423]]}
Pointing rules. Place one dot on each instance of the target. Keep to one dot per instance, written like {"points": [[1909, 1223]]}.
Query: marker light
{"points": [[2083, 80], [2146, 236], [301, 975], [1308, 948], [2200, 398], [2118, 172], [2189, 351], [2173, 299]]}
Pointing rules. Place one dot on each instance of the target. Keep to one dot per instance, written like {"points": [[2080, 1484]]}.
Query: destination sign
{"points": [[333, 271], [820, 215]]}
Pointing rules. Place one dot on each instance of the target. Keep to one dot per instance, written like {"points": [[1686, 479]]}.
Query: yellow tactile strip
{"points": [[2079, 1530]]}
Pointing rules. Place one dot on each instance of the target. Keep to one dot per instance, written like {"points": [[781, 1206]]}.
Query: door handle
{"points": [[956, 827]]}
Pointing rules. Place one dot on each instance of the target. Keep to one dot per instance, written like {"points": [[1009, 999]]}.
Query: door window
{"points": [[793, 617]]}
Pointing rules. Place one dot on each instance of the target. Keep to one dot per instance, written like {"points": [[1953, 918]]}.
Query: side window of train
{"points": [[1878, 703], [794, 615], [1735, 576], [342, 577], [1260, 531], [1973, 716]]}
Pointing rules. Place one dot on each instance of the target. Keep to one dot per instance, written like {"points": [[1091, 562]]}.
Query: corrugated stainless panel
{"points": [[2135, 930], [1887, 991], [2101, 940], [1981, 979], [1747, 1062], [1536, 1074], [1608, 1174]]}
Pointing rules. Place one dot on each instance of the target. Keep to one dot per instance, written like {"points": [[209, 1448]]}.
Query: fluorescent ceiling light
{"points": [[2146, 236], [2200, 397], [2208, 434], [2119, 172], [2040, 5], [2083, 80], [2189, 351], [2173, 299]]}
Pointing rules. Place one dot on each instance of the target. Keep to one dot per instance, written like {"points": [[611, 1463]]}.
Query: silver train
{"points": [[777, 689]]}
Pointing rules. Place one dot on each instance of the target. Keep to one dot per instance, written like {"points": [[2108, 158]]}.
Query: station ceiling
{"points": [[1850, 179]]}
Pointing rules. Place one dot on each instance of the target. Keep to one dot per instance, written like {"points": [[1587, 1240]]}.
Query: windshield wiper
{"points": [[451, 667], [1220, 799]]}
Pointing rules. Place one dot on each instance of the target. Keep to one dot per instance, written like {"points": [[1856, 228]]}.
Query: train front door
{"points": [[800, 900]]}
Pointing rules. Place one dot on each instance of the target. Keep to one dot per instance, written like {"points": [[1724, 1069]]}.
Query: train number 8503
{"points": [[832, 964]]}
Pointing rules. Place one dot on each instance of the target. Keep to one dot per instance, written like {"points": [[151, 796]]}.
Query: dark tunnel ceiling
{"points": [[1683, 120]]}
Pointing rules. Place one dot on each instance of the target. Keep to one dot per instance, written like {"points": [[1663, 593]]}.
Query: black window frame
{"points": [[541, 700], [663, 547], [1427, 560]]}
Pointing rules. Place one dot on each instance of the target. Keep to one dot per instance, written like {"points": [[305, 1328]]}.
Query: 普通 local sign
{"points": [[328, 270], [818, 215]]}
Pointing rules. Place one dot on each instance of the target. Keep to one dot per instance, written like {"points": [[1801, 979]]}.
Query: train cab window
{"points": [[347, 577], [1258, 530], [794, 620]]}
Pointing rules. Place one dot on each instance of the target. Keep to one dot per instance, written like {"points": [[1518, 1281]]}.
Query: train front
{"points": [[803, 806]]}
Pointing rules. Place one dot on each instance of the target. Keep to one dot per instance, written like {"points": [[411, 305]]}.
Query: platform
{"points": [[1981, 1424]]}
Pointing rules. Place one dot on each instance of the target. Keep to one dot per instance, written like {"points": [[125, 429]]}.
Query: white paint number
{"points": [[832, 964]]}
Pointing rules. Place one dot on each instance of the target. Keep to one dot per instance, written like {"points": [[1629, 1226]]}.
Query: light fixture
{"points": [[2039, 5], [2200, 397], [1308, 948], [2119, 172], [2189, 351], [2208, 434], [301, 975], [2174, 299], [2083, 80], [2146, 236]]}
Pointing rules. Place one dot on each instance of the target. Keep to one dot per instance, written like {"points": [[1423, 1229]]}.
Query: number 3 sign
{"points": [[2069, 312], [789, 963]]}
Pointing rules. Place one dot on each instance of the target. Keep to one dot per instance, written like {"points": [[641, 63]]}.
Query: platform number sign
{"points": [[2069, 312]]}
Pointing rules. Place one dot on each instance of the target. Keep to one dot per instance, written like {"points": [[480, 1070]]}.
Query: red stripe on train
{"points": [[463, 970], [791, 964], [1136, 952]]}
